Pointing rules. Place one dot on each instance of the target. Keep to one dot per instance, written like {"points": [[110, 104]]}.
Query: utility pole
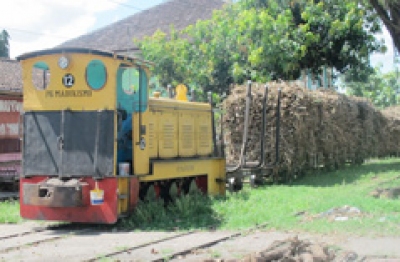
{"points": [[396, 62]]}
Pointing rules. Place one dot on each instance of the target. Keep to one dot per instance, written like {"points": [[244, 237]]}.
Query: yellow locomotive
{"points": [[95, 143]]}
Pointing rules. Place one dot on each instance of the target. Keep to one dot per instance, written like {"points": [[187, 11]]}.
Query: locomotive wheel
{"points": [[151, 194], [193, 188], [189, 186], [185, 186], [173, 191], [164, 191], [143, 191]]}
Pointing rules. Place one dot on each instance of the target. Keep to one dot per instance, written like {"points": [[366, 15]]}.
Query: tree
{"points": [[4, 44], [263, 40], [389, 12], [170, 54], [381, 88]]}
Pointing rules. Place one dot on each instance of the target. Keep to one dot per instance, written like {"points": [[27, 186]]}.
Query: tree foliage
{"points": [[4, 44], [389, 12], [381, 88], [263, 40]]}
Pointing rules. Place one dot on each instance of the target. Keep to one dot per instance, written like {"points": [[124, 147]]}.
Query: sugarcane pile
{"points": [[318, 129], [392, 115]]}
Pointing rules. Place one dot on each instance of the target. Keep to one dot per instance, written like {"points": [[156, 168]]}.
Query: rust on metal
{"points": [[43, 194], [10, 109]]}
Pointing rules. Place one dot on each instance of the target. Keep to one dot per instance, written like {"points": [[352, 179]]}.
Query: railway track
{"points": [[74, 242], [90, 243]]}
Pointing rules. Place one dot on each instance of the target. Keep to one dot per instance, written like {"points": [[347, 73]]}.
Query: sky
{"points": [[41, 24]]}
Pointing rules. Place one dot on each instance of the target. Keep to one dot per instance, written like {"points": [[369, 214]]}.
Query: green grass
{"points": [[277, 205], [187, 213], [317, 193], [9, 212]]}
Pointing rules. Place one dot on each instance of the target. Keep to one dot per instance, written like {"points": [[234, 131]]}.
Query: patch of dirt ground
{"points": [[31, 241], [287, 246]]}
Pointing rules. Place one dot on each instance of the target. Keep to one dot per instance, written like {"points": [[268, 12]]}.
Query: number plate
{"points": [[68, 80]]}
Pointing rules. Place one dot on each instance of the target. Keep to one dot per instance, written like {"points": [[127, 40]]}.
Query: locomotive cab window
{"points": [[132, 89], [96, 74], [130, 80], [40, 75]]}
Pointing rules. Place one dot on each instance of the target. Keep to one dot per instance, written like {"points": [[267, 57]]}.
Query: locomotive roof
{"points": [[84, 51]]}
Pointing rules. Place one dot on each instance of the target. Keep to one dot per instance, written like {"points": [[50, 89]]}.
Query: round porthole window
{"points": [[40, 75], [96, 74]]}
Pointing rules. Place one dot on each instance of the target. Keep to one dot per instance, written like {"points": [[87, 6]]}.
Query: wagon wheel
{"points": [[275, 176], [235, 184], [289, 178], [256, 180]]}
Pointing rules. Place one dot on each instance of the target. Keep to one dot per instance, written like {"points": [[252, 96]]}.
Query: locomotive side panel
{"points": [[179, 129], [204, 134], [153, 134], [187, 133], [168, 133]]}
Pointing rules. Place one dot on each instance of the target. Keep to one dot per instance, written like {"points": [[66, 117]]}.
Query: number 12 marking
{"points": [[68, 80]]}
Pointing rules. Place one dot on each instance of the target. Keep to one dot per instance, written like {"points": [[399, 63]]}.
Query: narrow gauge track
{"points": [[73, 242], [169, 248], [17, 237]]}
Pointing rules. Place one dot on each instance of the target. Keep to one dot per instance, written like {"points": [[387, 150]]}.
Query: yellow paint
{"points": [[156, 94], [140, 155], [170, 129], [187, 133], [181, 92], [167, 133], [123, 195], [153, 136], [179, 129], [78, 97]]}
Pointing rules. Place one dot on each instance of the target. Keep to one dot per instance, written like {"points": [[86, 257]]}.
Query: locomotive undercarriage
{"points": [[170, 189]]}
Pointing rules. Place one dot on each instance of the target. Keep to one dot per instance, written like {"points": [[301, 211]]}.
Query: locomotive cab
{"points": [[95, 143]]}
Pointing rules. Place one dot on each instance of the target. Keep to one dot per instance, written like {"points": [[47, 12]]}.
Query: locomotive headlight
{"points": [[63, 62]]}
